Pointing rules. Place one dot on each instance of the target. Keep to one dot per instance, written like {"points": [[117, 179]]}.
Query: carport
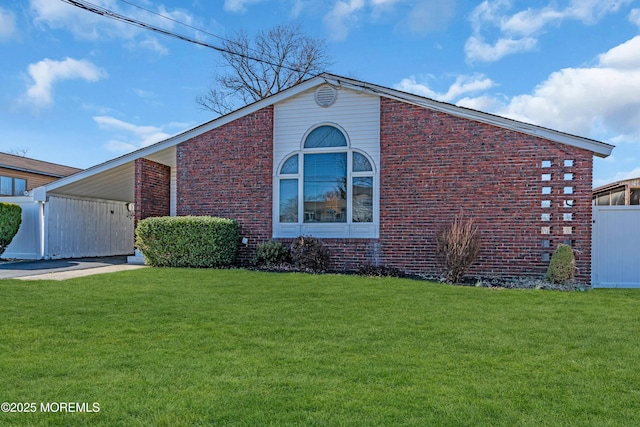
{"points": [[89, 214]]}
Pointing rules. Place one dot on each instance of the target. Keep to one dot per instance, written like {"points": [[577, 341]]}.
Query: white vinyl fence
{"points": [[615, 253], [87, 228], [65, 227], [28, 243]]}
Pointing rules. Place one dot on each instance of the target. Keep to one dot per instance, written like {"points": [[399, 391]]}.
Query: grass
{"points": [[172, 347]]}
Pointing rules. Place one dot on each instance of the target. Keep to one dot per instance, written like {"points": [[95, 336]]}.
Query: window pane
{"points": [[360, 163], [290, 166], [6, 186], [363, 199], [325, 187], [288, 200], [604, 200], [325, 136], [20, 186], [635, 196], [617, 198]]}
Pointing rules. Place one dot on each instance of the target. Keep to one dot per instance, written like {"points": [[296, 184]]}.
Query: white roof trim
{"points": [[600, 149]]}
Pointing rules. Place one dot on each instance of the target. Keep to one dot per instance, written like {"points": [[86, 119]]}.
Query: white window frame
{"points": [[348, 229]]}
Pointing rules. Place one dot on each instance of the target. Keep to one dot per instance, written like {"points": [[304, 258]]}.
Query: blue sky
{"points": [[80, 89]]}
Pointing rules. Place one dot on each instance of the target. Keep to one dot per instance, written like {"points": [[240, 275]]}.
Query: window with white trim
{"points": [[327, 188], [10, 186]]}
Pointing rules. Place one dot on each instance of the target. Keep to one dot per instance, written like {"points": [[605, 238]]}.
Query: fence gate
{"points": [[615, 251], [88, 228]]}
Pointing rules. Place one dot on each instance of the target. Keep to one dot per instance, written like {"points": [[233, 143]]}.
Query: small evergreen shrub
{"points": [[562, 267], [272, 253], [457, 247], [309, 253], [379, 271], [10, 219], [188, 241]]}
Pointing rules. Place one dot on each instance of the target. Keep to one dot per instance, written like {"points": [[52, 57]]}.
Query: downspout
{"points": [[40, 197]]}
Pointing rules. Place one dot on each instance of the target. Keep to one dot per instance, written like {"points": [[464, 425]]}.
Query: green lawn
{"points": [[172, 347]]}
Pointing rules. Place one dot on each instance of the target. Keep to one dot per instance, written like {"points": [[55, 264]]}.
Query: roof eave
{"points": [[598, 148], [186, 135]]}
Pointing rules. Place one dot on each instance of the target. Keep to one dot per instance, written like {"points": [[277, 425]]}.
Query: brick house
{"points": [[374, 172]]}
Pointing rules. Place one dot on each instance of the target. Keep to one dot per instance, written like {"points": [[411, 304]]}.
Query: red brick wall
{"points": [[152, 190], [434, 166], [227, 173]]}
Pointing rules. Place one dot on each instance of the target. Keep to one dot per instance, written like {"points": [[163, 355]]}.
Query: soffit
{"points": [[114, 183]]}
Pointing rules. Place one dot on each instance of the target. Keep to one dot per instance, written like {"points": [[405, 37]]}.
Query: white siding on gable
{"points": [[356, 113]]}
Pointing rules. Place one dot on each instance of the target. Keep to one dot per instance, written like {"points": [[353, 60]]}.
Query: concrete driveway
{"points": [[62, 269]]}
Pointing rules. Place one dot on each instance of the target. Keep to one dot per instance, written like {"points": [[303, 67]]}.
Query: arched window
{"points": [[326, 186]]}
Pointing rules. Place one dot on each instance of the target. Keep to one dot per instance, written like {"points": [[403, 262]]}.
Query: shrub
{"points": [[309, 253], [457, 247], [10, 219], [272, 253], [562, 266], [188, 241]]}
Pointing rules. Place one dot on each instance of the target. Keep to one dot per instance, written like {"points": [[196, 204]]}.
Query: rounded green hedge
{"points": [[562, 266], [10, 219], [188, 241]]}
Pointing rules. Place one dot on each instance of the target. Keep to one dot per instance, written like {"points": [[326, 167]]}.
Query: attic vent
{"points": [[326, 96]]}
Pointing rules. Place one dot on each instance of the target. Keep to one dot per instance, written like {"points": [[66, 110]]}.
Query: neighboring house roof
{"points": [[25, 164], [118, 171], [633, 182]]}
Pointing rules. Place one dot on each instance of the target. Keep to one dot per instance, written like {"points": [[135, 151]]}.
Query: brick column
{"points": [[152, 189]]}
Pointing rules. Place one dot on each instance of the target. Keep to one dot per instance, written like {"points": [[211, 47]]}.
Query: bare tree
{"points": [[276, 60], [18, 151]]}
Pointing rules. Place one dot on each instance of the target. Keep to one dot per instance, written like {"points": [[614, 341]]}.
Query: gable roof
{"points": [[39, 167], [164, 151]]}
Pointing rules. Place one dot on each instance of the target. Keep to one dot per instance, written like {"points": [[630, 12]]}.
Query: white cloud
{"points": [[413, 17], [46, 73], [238, 6], [341, 17], [477, 49], [590, 11], [625, 56], [154, 45], [600, 100], [87, 25], [517, 32], [462, 86], [634, 17], [429, 16], [619, 176], [83, 24], [127, 136], [7, 24], [145, 93], [530, 21]]}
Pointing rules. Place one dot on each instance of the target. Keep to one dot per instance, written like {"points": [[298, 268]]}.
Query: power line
{"points": [[175, 20], [90, 7]]}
